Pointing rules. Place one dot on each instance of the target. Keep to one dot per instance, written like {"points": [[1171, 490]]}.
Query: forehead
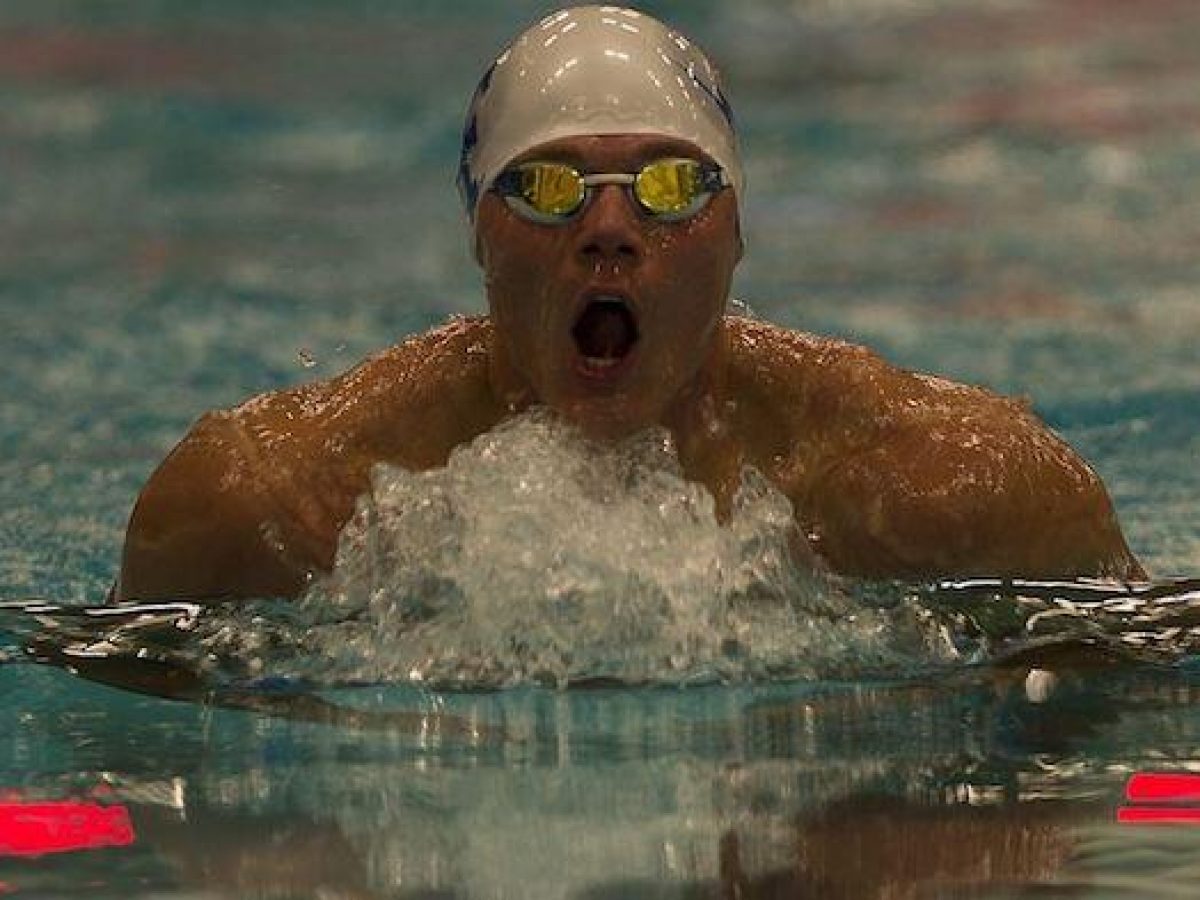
{"points": [[613, 152]]}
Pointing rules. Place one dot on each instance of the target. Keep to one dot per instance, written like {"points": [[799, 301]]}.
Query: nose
{"points": [[610, 229]]}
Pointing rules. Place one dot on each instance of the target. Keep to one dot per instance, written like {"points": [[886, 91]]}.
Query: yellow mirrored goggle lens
{"points": [[553, 189], [668, 185]]}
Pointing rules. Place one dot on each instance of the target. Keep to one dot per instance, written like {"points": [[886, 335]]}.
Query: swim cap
{"points": [[594, 70]]}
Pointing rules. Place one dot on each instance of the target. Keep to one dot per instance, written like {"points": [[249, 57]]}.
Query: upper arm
{"points": [[991, 493], [205, 525], [251, 502]]}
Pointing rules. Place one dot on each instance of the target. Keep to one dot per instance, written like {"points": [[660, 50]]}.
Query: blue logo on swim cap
{"points": [[712, 88], [468, 185]]}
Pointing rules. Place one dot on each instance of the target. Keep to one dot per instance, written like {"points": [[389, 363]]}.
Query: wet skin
{"points": [[892, 474], [673, 276]]}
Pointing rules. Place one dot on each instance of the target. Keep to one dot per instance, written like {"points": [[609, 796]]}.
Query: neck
{"points": [[701, 421], [510, 391]]}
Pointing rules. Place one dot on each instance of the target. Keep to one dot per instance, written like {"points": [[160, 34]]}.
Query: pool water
{"points": [[202, 201]]}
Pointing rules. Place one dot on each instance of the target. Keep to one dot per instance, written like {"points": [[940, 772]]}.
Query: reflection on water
{"points": [[831, 790], [954, 779]]}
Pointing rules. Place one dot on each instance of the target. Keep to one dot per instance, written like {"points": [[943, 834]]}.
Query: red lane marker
{"points": [[1159, 815], [32, 829], [1162, 787]]}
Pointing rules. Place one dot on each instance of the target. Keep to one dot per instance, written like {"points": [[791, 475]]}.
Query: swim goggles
{"points": [[550, 193]]}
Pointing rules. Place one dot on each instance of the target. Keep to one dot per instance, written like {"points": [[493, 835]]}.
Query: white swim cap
{"points": [[594, 70]]}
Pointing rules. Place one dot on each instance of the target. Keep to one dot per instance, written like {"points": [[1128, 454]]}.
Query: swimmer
{"points": [[601, 176]]}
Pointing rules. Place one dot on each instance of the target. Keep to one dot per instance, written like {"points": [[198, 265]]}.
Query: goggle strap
{"points": [[507, 182], [713, 178]]}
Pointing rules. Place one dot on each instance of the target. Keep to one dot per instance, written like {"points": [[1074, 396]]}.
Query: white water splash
{"points": [[538, 556]]}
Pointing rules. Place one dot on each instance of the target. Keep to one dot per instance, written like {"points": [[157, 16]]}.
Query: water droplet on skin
{"points": [[714, 424], [739, 307]]}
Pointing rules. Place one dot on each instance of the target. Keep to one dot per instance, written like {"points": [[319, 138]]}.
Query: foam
{"points": [[537, 556]]}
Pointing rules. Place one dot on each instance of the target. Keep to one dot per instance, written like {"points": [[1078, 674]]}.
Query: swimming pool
{"points": [[202, 203]]}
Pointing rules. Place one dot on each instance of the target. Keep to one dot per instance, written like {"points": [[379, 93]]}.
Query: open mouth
{"points": [[605, 333]]}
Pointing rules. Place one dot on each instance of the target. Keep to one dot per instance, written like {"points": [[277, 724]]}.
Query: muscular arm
{"points": [[972, 486], [251, 502], [900, 475], [206, 525]]}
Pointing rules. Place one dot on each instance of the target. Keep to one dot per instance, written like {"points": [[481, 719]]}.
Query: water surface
{"points": [[203, 201]]}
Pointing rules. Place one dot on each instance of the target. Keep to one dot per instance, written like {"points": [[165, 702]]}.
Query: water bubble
{"points": [[538, 556]]}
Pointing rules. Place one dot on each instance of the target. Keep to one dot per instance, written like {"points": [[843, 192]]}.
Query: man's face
{"points": [[611, 318]]}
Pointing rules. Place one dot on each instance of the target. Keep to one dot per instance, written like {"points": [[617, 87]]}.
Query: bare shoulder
{"points": [[206, 511], [912, 475], [841, 384], [445, 361], [409, 405], [252, 499]]}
